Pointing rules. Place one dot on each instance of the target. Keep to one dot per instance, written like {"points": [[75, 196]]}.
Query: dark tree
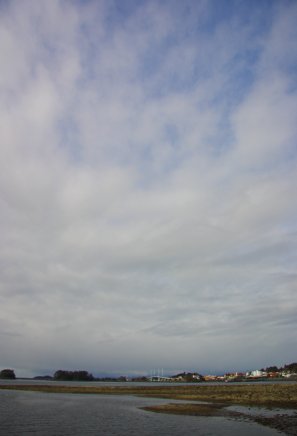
{"points": [[292, 367], [7, 373], [272, 369], [73, 375], [62, 375]]}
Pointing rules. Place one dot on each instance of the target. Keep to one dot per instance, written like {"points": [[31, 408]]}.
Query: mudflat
{"points": [[203, 400], [282, 395]]}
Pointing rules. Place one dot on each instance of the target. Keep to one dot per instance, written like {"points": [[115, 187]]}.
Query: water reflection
{"points": [[36, 413]]}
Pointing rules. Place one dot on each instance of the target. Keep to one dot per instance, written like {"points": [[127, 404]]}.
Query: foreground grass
{"points": [[271, 395]]}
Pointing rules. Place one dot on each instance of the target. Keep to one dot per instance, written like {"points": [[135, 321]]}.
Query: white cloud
{"points": [[146, 188], [265, 125]]}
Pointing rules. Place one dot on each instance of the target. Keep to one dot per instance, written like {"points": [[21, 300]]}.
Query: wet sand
{"points": [[279, 420]]}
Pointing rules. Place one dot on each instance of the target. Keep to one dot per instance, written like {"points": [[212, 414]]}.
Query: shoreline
{"points": [[204, 401], [270, 395]]}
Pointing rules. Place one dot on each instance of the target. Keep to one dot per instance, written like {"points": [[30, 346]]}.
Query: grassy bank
{"points": [[273, 395]]}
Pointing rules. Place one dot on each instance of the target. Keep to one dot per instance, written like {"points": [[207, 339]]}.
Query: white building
{"points": [[258, 373]]}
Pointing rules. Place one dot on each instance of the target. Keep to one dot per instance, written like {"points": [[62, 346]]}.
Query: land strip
{"points": [[271, 395]]}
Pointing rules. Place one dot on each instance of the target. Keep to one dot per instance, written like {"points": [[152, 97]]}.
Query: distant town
{"points": [[287, 372]]}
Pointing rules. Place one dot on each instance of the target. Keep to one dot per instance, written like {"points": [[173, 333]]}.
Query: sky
{"points": [[148, 213]]}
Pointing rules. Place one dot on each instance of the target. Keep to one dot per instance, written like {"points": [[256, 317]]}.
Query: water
{"points": [[42, 414], [133, 384]]}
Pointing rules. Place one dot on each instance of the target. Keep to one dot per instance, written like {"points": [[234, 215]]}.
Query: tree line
{"points": [[73, 375], [58, 375], [82, 375], [7, 374], [290, 368]]}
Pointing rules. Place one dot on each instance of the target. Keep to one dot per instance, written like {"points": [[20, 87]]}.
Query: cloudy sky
{"points": [[148, 213]]}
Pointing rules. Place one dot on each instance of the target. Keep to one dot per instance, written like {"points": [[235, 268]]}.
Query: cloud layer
{"points": [[147, 185]]}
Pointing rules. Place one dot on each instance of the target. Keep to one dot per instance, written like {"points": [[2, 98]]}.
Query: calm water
{"points": [[35, 413]]}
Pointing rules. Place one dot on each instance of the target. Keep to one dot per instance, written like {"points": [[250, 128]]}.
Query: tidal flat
{"points": [[272, 405], [281, 395]]}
